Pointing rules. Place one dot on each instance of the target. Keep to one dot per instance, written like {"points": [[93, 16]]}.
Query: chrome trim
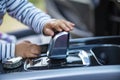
{"points": [[95, 57], [83, 55]]}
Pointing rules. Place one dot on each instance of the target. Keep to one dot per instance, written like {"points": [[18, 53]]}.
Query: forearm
{"points": [[7, 50], [25, 12]]}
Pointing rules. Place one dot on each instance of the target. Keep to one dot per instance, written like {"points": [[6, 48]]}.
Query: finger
{"points": [[54, 25], [48, 32], [32, 56], [71, 23], [64, 27], [35, 49], [57, 27], [68, 24]]}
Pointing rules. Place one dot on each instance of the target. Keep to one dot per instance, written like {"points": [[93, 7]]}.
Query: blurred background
{"points": [[10, 24], [91, 17]]}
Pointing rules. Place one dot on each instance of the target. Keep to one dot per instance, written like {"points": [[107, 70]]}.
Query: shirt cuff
{"points": [[12, 50], [7, 51]]}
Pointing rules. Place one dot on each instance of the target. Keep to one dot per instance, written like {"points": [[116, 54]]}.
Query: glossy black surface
{"points": [[107, 55], [111, 57]]}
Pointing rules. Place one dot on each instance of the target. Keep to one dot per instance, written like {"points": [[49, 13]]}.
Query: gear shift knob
{"points": [[58, 46]]}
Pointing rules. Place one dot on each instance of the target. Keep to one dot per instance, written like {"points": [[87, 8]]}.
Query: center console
{"points": [[70, 59]]}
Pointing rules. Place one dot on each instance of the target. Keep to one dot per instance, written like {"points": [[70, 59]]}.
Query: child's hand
{"points": [[27, 50], [57, 25]]}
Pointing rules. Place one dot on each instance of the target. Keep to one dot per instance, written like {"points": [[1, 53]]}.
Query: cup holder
{"points": [[106, 55]]}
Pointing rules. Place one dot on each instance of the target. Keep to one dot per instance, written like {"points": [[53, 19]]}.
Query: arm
{"points": [[7, 46], [40, 22], [25, 12], [24, 49], [7, 50]]}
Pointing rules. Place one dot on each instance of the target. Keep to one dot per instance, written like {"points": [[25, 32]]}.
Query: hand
{"points": [[57, 25], [27, 50]]}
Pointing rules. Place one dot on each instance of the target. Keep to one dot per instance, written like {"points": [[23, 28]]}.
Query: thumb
{"points": [[48, 32]]}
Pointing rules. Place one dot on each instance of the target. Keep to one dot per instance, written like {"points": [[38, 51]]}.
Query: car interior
{"points": [[90, 52]]}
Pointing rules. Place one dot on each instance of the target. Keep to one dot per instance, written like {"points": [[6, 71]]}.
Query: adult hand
{"points": [[27, 50]]}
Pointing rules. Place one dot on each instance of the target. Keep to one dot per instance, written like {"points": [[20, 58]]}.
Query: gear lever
{"points": [[58, 46], [58, 55]]}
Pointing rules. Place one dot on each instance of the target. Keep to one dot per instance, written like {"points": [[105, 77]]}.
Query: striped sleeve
{"points": [[7, 50], [25, 12]]}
